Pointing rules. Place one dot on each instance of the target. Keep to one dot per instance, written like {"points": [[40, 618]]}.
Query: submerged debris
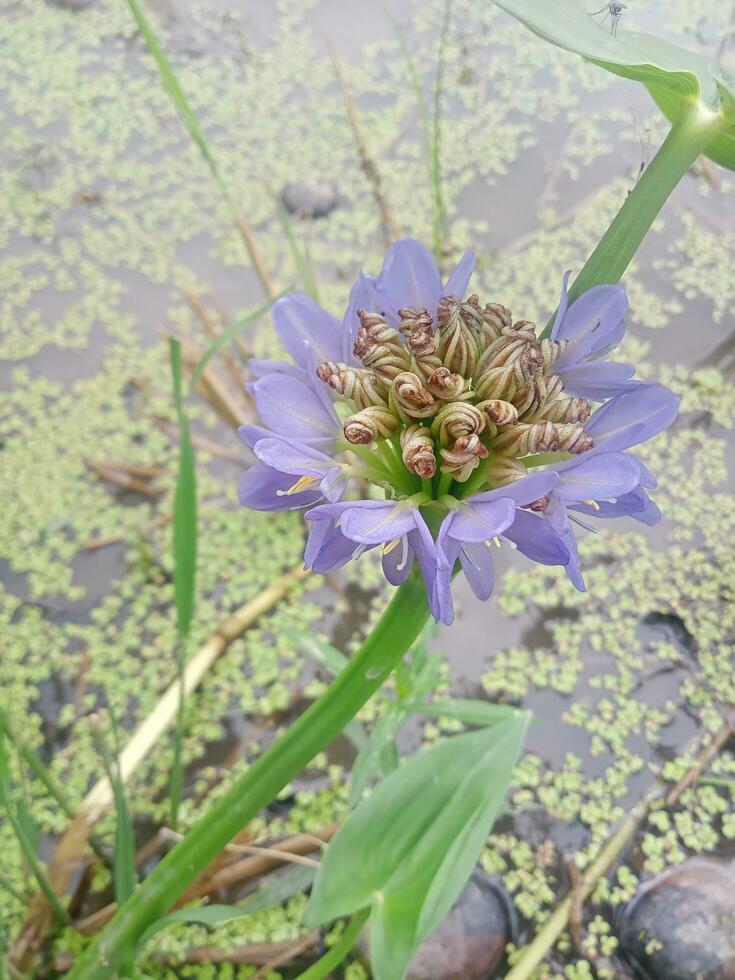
{"points": [[310, 198]]}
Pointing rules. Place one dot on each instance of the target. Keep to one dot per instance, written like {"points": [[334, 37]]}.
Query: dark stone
{"points": [[469, 944], [309, 198], [680, 925]]}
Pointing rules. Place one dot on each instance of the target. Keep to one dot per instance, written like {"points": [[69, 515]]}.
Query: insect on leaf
{"points": [[409, 848]]}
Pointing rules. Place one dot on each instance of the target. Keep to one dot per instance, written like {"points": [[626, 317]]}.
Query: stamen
{"points": [[404, 554], [592, 503], [391, 545], [496, 541], [587, 527], [303, 483]]}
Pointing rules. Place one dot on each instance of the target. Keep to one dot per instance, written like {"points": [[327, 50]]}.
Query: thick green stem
{"points": [[339, 951], [695, 128], [399, 626]]}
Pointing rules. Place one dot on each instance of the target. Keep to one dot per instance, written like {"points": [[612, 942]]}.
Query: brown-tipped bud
{"points": [[459, 334], [373, 422], [498, 383], [463, 457], [418, 451], [409, 399], [495, 319], [498, 411], [456, 420], [421, 341], [551, 351], [540, 505], [379, 347], [523, 439], [567, 409], [532, 398], [514, 351], [415, 320], [362, 387], [573, 439], [448, 386], [526, 327], [502, 470]]}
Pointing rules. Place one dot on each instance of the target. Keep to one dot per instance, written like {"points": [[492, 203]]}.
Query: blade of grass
{"points": [[333, 957], [25, 844], [227, 336], [431, 128], [185, 555], [302, 260], [191, 124], [123, 867]]}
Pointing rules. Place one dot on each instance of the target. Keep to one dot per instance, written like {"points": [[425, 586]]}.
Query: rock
{"points": [[309, 198], [680, 925], [470, 942]]}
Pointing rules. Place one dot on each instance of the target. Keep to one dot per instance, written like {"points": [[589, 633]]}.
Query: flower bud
{"points": [[498, 411], [362, 387], [447, 386], [418, 451], [408, 397], [459, 337], [456, 420], [523, 439], [421, 341], [551, 351], [496, 319], [463, 457], [373, 422], [573, 439], [532, 398], [379, 347], [502, 470], [566, 409]]}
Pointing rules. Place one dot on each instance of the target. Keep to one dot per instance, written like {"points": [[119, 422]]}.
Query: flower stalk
{"points": [[387, 643], [690, 134]]}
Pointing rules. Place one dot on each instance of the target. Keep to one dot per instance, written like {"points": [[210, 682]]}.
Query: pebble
{"points": [[309, 198], [680, 925]]}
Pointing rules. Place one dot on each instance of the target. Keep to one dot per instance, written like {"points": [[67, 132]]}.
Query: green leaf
{"points": [[185, 507], [279, 887], [123, 867], [645, 58], [409, 848], [379, 756], [721, 149], [205, 915], [227, 336], [469, 711]]}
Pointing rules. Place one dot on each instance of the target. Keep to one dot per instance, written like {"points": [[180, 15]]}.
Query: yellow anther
{"points": [[303, 483], [592, 503], [391, 545], [496, 541]]}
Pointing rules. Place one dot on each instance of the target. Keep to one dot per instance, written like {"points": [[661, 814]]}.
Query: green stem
{"points": [[445, 482], [399, 626], [695, 128], [324, 966]]}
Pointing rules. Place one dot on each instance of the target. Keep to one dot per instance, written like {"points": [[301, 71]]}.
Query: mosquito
{"points": [[614, 10]]}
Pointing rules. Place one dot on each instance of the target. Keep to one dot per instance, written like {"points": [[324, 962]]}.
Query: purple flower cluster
{"points": [[473, 430]]}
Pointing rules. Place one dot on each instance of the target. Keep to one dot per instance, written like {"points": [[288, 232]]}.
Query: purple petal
{"points": [[536, 539], [259, 368], [377, 524], [480, 521], [397, 562], [477, 566], [363, 295], [459, 280], [250, 434], [598, 477], [632, 418], [523, 491], [293, 410], [289, 456], [593, 323], [327, 548], [263, 488], [302, 324], [647, 479], [561, 311], [597, 380], [635, 504], [409, 277]]}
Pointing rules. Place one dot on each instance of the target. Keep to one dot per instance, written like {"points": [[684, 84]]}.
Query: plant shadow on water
{"points": [[619, 690]]}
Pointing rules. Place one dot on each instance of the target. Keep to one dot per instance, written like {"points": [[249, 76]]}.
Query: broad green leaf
{"points": [[722, 147], [379, 756], [409, 848], [185, 507], [671, 73], [471, 712], [205, 915]]}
